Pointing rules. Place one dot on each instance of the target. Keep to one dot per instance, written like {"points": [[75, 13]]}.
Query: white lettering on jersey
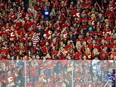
{"points": [[12, 34], [46, 13], [10, 79]]}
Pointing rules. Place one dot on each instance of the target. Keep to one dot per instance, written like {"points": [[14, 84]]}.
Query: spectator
{"points": [[111, 78], [46, 12], [57, 29]]}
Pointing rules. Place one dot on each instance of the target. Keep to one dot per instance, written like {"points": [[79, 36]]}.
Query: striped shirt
{"points": [[35, 39]]}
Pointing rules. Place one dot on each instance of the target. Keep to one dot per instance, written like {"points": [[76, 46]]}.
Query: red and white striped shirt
{"points": [[35, 39]]}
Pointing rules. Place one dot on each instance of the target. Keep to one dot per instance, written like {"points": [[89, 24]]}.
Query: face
{"points": [[8, 56], [47, 43], [30, 43], [95, 50], [78, 43], [102, 41], [87, 50], [33, 56], [3, 65], [84, 57], [87, 34], [84, 43], [37, 57], [110, 71], [114, 57], [9, 73], [27, 79], [12, 45]]}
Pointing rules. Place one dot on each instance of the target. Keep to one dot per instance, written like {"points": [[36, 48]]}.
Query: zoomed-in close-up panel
{"points": [[57, 43], [12, 73], [55, 73], [49, 73], [94, 73]]}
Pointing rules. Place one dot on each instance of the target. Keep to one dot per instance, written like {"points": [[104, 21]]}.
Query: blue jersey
{"points": [[46, 13], [111, 76]]}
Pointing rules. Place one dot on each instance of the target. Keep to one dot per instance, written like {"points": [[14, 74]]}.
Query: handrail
{"points": [[107, 83]]}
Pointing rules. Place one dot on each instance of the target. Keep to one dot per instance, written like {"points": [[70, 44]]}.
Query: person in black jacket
{"points": [[26, 5]]}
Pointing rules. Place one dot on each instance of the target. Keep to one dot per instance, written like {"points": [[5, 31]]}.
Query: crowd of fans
{"points": [[94, 73], [12, 73], [55, 73], [65, 73], [54, 30], [57, 29], [49, 74]]}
